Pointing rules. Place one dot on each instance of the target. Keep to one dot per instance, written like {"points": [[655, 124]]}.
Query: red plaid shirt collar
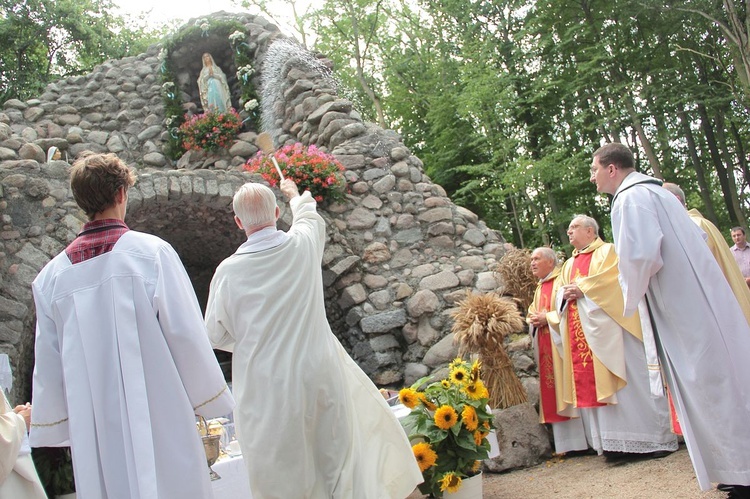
{"points": [[96, 238]]}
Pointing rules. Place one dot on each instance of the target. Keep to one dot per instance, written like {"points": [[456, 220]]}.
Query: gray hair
{"points": [[587, 221], [547, 254], [255, 205], [675, 189]]}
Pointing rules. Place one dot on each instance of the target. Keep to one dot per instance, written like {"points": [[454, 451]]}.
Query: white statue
{"points": [[212, 86]]}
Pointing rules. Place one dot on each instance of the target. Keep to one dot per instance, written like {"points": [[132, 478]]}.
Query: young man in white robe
{"points": [[606, 371], [702, 335], [122, 362], [310, 423]]}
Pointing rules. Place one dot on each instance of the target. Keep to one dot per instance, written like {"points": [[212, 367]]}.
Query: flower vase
{"points": [[471, 488]]}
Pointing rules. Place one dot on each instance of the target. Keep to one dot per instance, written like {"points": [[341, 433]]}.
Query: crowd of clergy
{"points": [[647, 338]]}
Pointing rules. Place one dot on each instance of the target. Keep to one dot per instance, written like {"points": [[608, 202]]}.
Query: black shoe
{"points": [[739, 492], [724, 487], [620, 457]]}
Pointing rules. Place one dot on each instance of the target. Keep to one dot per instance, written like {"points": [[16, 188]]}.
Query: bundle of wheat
{"points": [[515, 270], [481, 323]]}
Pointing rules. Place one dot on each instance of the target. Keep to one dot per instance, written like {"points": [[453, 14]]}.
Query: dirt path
{"points": [[582, 477]]}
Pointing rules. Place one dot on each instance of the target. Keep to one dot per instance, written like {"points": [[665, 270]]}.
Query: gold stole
{"points": [[602, 287]]}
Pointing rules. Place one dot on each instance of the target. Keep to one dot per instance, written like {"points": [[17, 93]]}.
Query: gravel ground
{"points": [[587, 476]]}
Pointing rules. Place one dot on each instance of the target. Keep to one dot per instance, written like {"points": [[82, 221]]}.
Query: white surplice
{"points": [[18, 477], [310, 423], [633, 421], [122, 365], [702, 334]]}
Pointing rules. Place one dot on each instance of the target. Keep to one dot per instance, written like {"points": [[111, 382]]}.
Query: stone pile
{"points": [[399, 253]]}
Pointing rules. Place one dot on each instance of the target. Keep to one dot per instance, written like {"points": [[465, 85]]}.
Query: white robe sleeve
{"points": [[49, 419], [308, 222], [12, 432], [184, 331], [638, 238], [216, 317]]}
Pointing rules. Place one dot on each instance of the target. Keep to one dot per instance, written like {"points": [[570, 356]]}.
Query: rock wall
{"points": [[399, 253]]}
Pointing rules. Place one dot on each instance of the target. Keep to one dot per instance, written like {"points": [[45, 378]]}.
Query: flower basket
{"points": [[448, 426], [309, 167], [210, 131]]}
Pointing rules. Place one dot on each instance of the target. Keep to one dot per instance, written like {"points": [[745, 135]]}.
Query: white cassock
{"points": [[18, 478], [702, 334], [122, 365], [310, 422]]}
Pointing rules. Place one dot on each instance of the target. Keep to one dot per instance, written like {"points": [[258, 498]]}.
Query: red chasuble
{"points": [[546, 368], [584, 382]]}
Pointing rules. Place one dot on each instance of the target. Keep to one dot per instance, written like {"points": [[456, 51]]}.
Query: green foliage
{"points": [[42, 40], [505, 101]]}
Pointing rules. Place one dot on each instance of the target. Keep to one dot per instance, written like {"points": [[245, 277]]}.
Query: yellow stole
{"points": [[602, 287]]}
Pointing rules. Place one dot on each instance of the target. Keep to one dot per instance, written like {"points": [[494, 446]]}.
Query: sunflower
{"points": [[408, 397], [475, 466], [469, 417], [478, 437], [445, 417], [425, 402], [426, 457], [450, 482], [475, 367], [455, 363], [445, 384], [459, 375], [476, 390]]}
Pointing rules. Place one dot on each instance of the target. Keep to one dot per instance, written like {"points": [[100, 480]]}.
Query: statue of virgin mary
{"points": [[212, 86]]}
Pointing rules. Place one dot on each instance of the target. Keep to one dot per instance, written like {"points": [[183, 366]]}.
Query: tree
{"points": [[41, 40]]}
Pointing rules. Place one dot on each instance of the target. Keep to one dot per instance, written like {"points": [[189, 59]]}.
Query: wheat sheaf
{"points": [[481, 323]]}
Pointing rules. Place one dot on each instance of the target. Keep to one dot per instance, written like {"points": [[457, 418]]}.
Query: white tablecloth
{"points": [[234, 483]]}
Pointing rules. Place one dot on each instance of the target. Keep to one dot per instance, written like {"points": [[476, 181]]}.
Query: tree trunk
{"points": [[721, 171], [700, 174], [727, 159], [643, 138]]}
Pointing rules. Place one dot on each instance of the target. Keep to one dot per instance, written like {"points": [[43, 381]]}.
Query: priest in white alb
{"points": [[310, 423], [606, 355], [122, 362], [702, 335]]}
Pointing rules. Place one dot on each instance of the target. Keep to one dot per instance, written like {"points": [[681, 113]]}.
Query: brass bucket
{"points": [[211, 446]]}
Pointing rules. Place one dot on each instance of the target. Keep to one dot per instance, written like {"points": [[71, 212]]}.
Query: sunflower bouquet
{"points": [[448, 424]]}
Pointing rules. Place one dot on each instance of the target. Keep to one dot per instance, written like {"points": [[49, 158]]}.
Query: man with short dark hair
{"points": [[703, 338], [741, 252], [123, 363]]}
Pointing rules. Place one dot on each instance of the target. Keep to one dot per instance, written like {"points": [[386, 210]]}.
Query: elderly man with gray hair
{"points": [[309, 421], [606, 372], [567, 427]]}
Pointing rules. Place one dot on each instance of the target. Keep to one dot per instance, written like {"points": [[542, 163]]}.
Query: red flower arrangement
{"points": [[309, 167], [210, 131]]}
